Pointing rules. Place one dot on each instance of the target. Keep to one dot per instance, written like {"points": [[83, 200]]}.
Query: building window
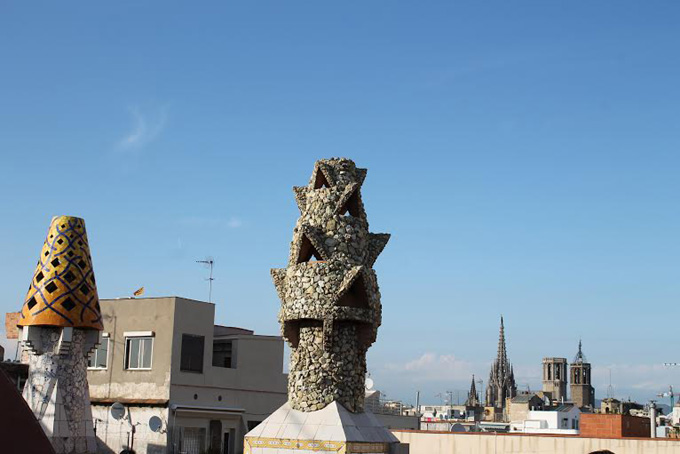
{"points": [[192, 353], [99, 357], [192, 440], [138, 352], [223, 354]]}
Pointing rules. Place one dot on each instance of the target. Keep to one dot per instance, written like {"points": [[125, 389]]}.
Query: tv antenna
{"points": [[208, 263]]}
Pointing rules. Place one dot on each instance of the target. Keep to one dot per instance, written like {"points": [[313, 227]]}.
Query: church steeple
{"points": [[501, 378], [580, 357], [502, 353], [582, 391], [472, 399]]}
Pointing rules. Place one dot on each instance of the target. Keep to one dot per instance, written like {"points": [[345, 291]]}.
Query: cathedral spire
{"points": [[502, 353], [580, 357], [472, 400], [501, 377]]}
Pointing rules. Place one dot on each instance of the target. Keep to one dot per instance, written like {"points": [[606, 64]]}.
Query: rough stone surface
{"points": [[330, 302], [57, 391]]}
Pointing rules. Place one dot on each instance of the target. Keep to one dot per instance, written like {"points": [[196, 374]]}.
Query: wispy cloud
{"points": [[146, 127], [177, 251], [432, 372], [433, 367], [232, 222], [647, 377]]}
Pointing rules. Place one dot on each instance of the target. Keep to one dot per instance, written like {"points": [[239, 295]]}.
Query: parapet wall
{"points": [[487, 443]]}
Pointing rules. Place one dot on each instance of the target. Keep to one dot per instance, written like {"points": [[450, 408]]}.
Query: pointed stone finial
{"points": [[472, 399], [502, 354], [580, 357]]}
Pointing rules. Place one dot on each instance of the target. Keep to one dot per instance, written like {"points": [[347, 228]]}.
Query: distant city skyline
{"points": [[523, 156]]}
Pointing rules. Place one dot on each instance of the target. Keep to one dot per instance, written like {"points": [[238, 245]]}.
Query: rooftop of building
{"points": [[565, 407], [523, 398], [17, 419], [533, 435], [221, 330], [142, 298]]}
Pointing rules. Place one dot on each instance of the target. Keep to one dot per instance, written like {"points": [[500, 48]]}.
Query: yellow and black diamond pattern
{"points": [[63, 291]]}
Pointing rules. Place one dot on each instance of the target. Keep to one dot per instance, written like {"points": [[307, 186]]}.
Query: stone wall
{"points": [[313, 368], [488, 443], [582, 395], [113, 435], [56, 388]]}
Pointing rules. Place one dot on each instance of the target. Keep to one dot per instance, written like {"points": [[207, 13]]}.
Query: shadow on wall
{"points": [[102, 448], [155, 449], [150, 449]]}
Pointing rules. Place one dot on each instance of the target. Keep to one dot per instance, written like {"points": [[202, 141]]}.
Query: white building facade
{"points": [[164, 357], [563, 420]]}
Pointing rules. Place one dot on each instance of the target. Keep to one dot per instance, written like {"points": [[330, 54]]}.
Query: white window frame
{"points": [[105, 337], [126, 358]]}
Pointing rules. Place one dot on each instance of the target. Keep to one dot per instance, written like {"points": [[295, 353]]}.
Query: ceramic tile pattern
{"points": [[61, 320], [63, 291]]}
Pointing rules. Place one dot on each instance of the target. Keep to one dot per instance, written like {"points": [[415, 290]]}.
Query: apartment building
{"points": [[164, 357], [561, 420]]}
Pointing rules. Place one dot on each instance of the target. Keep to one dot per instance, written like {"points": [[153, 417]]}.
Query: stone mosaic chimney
{"points": [[330, 314], [330, 302], [60, 325]]}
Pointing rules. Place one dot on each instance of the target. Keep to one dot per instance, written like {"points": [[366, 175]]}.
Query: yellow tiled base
{"points": [[338, 447]]}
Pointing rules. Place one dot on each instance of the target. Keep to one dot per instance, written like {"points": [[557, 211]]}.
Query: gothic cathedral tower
{"points": [[582, 392], [555, 378], [502, 377]]}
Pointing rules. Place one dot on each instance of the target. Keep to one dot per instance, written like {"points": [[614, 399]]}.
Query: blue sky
{"points": [[524, 155]]}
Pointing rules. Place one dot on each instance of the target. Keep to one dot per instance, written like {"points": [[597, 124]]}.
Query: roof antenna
{"points": [[208, 263]]}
